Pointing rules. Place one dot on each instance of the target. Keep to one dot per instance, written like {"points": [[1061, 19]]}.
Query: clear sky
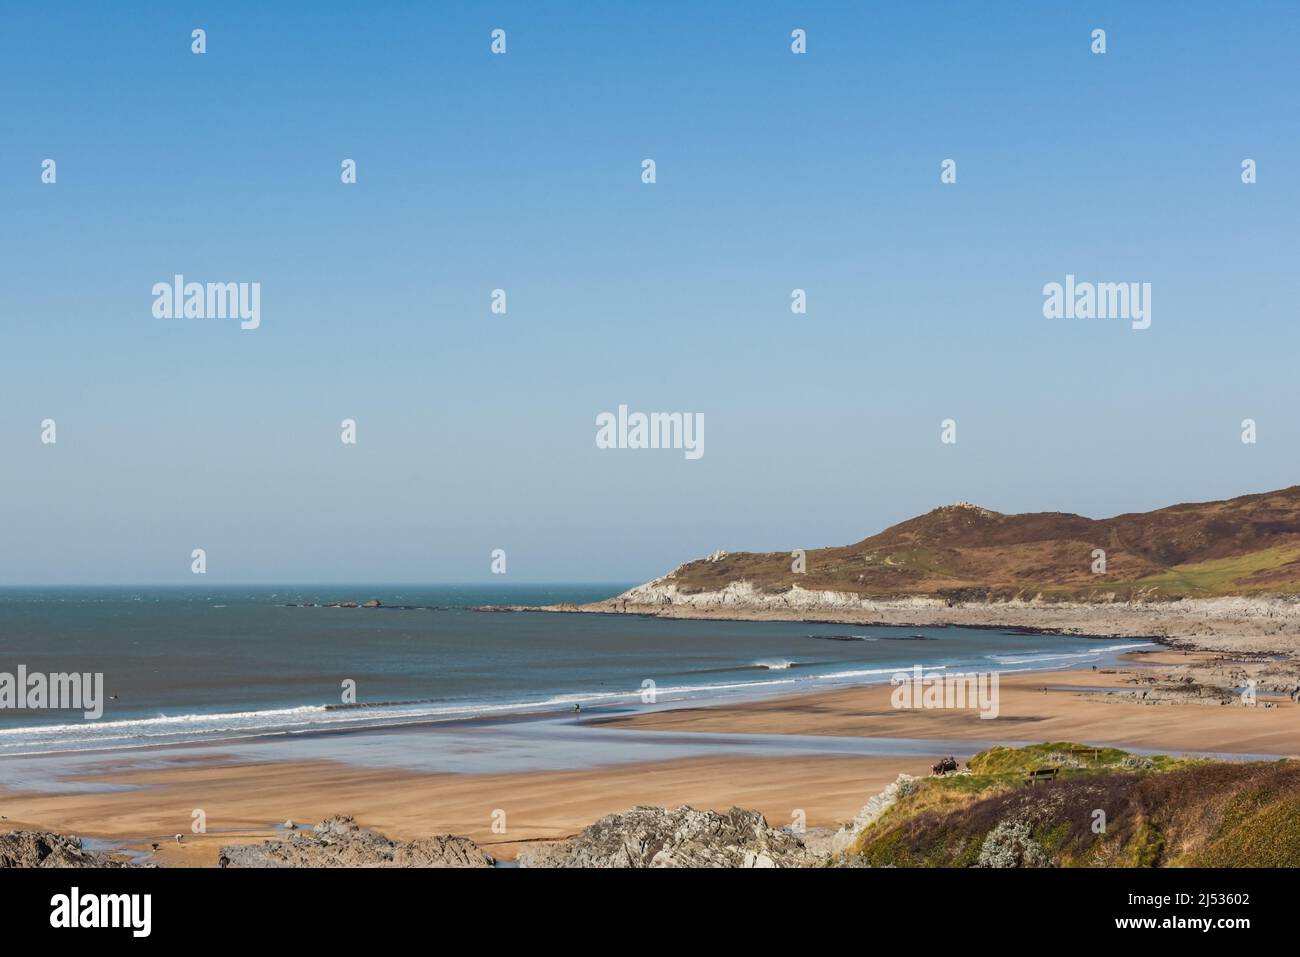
{"points": [[775, 171]]}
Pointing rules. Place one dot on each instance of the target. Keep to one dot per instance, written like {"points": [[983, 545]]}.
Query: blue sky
{"points": [[775, 171]]}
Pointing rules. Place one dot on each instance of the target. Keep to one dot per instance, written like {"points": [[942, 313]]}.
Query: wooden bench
{"points": [[1041, 774]]}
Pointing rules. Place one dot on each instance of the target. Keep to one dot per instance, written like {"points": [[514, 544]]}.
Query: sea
{"points": [[188, 664]]}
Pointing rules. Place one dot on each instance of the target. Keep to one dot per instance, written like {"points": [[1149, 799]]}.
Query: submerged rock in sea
{"points": [[340, 842], [47, 849], [658, 837]]}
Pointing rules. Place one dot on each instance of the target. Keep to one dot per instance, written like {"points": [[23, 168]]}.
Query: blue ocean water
{"points": [[193, 664]]}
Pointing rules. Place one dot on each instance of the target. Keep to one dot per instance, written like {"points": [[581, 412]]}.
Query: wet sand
{"points": [[246, 796], [1027, 713]]}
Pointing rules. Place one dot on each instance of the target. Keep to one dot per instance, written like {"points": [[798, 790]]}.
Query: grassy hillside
{"points": [[1158, 812], [1243, 546]]}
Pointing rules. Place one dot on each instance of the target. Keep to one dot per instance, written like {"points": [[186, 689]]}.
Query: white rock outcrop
{"points": [[871, 812]]}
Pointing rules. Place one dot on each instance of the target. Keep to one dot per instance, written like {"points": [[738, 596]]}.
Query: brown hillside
{"points": [[1246, 545]]}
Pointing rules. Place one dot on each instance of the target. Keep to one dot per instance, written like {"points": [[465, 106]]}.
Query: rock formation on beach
{"points": [[47, 849], [340, 842], [658, 837]]}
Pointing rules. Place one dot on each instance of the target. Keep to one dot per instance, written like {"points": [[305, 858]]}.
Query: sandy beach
{"points": [[1028, 713], [242, 801], [245, 800]]}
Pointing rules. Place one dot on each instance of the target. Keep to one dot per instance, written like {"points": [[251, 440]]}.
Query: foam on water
{"points": [[271, 663]]}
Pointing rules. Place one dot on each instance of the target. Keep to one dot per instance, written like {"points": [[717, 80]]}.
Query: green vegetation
{"points": [[1104, 808], [1069, 758], [1226, 576]]}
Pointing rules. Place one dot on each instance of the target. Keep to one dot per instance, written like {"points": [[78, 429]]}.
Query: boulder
{"points": [[47, 849], [657, 837], [340, 842]]}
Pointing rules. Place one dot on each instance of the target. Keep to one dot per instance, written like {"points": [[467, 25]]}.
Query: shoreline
{"points": [[1256, 626], [248, 793], [515, 713], [687, 613]]}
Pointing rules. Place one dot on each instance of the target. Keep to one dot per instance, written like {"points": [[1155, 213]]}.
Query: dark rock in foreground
{"points": [[341, 842], [47, 849], [657, 837]]}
